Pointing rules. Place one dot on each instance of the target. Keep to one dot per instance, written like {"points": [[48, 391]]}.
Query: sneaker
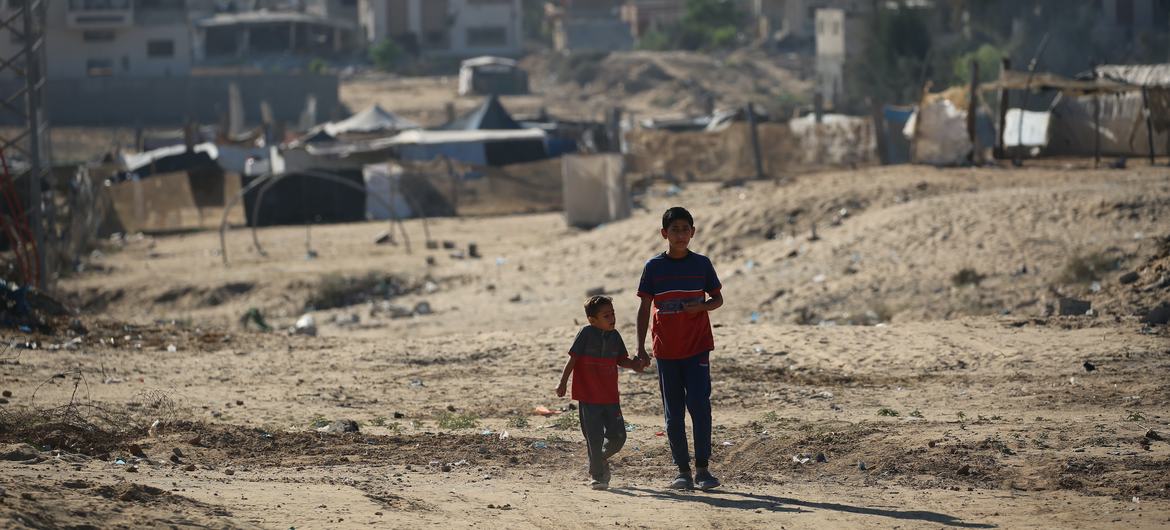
{"points": [[682, 482], [598, 485], [705, 480]]}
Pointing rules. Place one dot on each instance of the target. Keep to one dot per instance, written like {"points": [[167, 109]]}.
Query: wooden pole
{"points": [[1149, 123], [972, 111], [1004, 104], [751, 116], [1096, 130], [879, 129]]}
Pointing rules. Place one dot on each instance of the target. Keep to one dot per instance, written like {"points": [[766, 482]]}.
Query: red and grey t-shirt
{"points": [[671, 283], [595, 374]]}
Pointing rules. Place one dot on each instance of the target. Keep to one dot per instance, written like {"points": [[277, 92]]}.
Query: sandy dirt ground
{"points": [[912, 344]]}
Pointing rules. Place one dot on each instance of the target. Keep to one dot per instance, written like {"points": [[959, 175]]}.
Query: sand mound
{"points": [[660, 82]]}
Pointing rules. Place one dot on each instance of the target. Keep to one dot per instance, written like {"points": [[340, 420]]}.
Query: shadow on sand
{"points": [[747, 501]]}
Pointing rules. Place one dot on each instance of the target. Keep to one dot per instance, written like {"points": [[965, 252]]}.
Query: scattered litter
{"points": [[1073, 307], [1089, 367], [448, 245], [423, 308], [504, 435], [1128, 278], [473, 250], [801, 458], [630, 427], [821, 458], [306, 325], [515, 299], [119, 462], [861, 466], [171, 348], [385, 238], [153, 430], [487, 432], [1153, 435], [660, 433], [539, 445], [728, 444], [755, 317], [1095, 287], [416, 383], [820, 278], [460, 463], [430, 287], [545, 411]]}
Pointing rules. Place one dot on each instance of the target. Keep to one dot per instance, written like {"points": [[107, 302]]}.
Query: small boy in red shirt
{"points": [[594, 358]]}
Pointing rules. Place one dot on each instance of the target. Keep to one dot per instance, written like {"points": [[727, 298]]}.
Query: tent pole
{"points": [[1096, 130], [1004, 103], [1149, 122], [755, 137], [972, 107]]}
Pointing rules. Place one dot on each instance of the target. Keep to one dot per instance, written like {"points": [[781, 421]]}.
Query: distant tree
{"points": [[386, 54], [706, 24], [987, 56], [894, 61]]}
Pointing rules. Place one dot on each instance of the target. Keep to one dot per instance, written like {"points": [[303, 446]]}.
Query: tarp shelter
{"points": [[837, 140], [595, 189], [170, 159], [1025, 128], [169, 201], [491, 115], [373, 119], [483, 148], [302, 199], [1122, 110], [492, 75], [938, 130], [385, 181]]}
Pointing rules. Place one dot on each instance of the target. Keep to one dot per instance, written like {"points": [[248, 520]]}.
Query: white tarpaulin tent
{"points": [[595, 189], [1034, 132], [371, 120], [383, 181], [938, 133]]}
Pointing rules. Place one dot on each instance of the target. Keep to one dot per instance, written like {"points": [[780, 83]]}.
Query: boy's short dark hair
{"points": [[674, 214], [594, 304]]}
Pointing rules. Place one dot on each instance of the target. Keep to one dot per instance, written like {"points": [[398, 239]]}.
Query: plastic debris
{"points": [[306, 325], [539, 445], [545, 411]]}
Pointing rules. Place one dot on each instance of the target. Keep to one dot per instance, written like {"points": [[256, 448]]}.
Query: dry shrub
{"points": [[1088, 268]]}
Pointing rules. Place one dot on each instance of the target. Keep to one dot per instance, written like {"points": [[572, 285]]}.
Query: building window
{"points": [[97, 36], [158, 49], [99, 67], [490, 37]]}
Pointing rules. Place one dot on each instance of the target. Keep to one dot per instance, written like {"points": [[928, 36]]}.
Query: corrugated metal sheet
{"points": [[1147, 75]]}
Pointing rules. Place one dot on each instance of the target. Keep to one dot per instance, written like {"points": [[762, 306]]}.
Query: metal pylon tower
{"points": [[26, 148]]}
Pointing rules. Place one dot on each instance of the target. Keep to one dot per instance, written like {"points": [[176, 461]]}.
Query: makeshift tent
{"points": [[491, 75], [374, 119], [1123, 126], [595, 189], [301, 199], [169, 202], [938, 130], [484, 148], [490, 115], [384, 181], [169, 159]]}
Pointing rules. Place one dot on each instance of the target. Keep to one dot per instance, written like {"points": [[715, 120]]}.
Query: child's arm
{"points": [[632, 364], [565, 376], [643, 326]]}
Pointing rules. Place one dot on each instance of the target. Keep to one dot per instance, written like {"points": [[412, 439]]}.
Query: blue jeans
{"points": [[686, 383]]}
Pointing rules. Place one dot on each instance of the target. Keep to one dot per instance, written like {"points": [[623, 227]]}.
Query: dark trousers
{"points": [[686, 386], [605, 434]]}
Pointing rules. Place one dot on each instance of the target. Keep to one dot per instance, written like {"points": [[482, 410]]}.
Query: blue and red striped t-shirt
{"points": [[671, 283]]}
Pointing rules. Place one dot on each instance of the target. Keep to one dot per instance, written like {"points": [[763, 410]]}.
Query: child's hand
{"points": [[561, 389]]}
